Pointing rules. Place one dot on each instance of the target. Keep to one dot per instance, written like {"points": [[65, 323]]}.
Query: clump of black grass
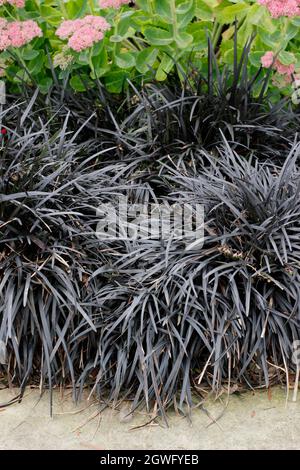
{"points": [[50, 189], [227, 311], [150, 320], [179, 119], [245, 279], [91, 116]]}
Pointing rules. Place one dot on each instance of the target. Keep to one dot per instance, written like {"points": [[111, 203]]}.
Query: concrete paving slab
{"points": [[257, 420]]}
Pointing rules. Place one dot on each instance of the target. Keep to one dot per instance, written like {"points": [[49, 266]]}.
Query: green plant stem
{"points": [[22, 62], [138, 46], [37, 4], [91, 7], [91, 62], [216, 34], [151, 7], [285, 26], [174, 18], [130, 45], [9, 13], [63, 9]]}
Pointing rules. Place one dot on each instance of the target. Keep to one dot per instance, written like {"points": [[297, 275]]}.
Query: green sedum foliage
{"points": [[148, 39]]}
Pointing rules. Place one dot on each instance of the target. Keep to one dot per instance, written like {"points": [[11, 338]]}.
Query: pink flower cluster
{"points": [[16, 3], [17, 33], [268, 60], [279, 8], [112, 3], [83, 33]]}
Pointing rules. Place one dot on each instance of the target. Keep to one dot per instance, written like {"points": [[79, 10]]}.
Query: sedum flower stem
{"points": [[63, 9]]}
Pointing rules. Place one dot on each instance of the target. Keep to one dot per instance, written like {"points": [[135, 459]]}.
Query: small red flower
{"points": [[3, 131]]}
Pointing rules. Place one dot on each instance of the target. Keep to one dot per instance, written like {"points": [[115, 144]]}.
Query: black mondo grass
{"points": [[150, 320], [247, 274], [179, 119], [48, 221]]}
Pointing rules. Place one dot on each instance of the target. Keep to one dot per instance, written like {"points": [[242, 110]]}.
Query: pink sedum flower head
{"points": [[284, 69], [84, 38], [67, 28], [113, 3], [15, 3], [268, 61], [279, 8], [22, 32], [17, 33], [83, 32]]}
